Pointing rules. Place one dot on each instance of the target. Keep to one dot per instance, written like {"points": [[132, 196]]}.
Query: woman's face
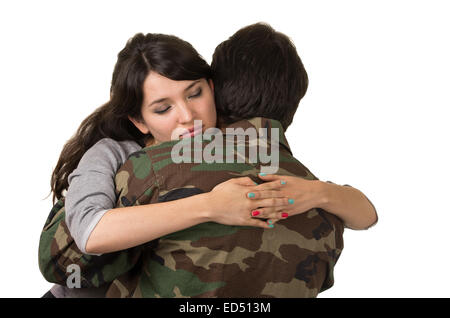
{"points": [[170, 107]]}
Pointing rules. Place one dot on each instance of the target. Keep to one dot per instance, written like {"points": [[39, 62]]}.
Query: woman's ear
{"points": [[139, 125], [211, 85]]}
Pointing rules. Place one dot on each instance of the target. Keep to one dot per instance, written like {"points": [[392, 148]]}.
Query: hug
{"points": [[139, 224]]}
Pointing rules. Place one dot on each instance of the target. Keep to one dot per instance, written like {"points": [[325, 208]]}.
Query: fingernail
{"points": [[284, 215], [262, 174], [271, 226], [255, 183], [251, 195], [283, 182], [270, 221], [291, 201], [255, 213]]}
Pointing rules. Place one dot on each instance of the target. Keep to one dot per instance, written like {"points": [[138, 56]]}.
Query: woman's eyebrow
{"points": [[165, 98], [192, 84], [158, 101]]}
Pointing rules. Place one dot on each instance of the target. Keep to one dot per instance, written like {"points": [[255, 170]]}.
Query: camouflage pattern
{"points": [[57, 251], [294, 259]]}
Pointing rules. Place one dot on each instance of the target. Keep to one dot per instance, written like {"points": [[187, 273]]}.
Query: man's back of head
{"points": [[258, 73]]}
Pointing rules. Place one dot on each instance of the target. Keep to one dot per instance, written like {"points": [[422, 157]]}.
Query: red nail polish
{"points": [[284, 215], [255, 213]]}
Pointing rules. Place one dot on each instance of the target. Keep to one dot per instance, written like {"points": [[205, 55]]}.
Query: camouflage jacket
{"points": [[294, 259], [58, 251]]}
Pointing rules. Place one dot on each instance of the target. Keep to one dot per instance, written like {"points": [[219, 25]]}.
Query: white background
{"points": [[375, 116]]}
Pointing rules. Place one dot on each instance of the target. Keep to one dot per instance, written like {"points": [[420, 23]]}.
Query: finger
{"points": [[271, 202], [265, 212], [272, 185], [244, 181], [272, 222], [258, 223], [269, 177], [269, 214], [267, 194]]}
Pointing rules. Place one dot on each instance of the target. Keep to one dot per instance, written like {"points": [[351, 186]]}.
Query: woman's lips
{"points": [[192, 132]]}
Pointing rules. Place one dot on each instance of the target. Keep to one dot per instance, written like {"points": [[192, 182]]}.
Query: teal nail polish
{"points": [[255, 183], [262, 174], [270, 221], [291, 201], [271, 226], [283, 182], [251, 195]]}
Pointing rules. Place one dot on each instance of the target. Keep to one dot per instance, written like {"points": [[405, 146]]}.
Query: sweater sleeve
{"points": [[91, 191]]}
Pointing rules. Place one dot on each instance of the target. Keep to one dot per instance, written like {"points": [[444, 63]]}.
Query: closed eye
{"points": [[162, 111], [197, 94]]}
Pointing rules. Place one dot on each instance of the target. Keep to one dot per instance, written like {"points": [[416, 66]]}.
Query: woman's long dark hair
{"points": [[164, 54]]}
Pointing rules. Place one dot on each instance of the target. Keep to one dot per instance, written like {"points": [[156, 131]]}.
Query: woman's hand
{"points": [[238, 200], [303, 195]]}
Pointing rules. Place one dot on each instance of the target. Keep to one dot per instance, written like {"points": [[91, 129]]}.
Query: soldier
{"points": [[295, 258]]}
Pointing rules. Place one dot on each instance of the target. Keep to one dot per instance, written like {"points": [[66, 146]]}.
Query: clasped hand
{"points": [[240, 201]]}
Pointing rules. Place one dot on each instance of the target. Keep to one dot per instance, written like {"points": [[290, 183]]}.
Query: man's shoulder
{"points": [[265, 128], [139, 171], [136, 180], [138, 165], [256, 123]]}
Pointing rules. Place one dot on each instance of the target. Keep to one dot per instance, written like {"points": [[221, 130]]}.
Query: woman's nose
{"points": [[185, 113]]}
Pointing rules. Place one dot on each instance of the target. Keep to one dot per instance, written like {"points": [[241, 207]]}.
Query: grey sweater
{"points": [[92, 190]]}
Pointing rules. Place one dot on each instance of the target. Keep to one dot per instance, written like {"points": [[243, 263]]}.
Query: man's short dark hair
{"points": [[258, 73]]}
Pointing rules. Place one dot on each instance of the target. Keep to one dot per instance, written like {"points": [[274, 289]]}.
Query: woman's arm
{"points": [[97, 227], [227, 203], [348, 203], [91, 191]]}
